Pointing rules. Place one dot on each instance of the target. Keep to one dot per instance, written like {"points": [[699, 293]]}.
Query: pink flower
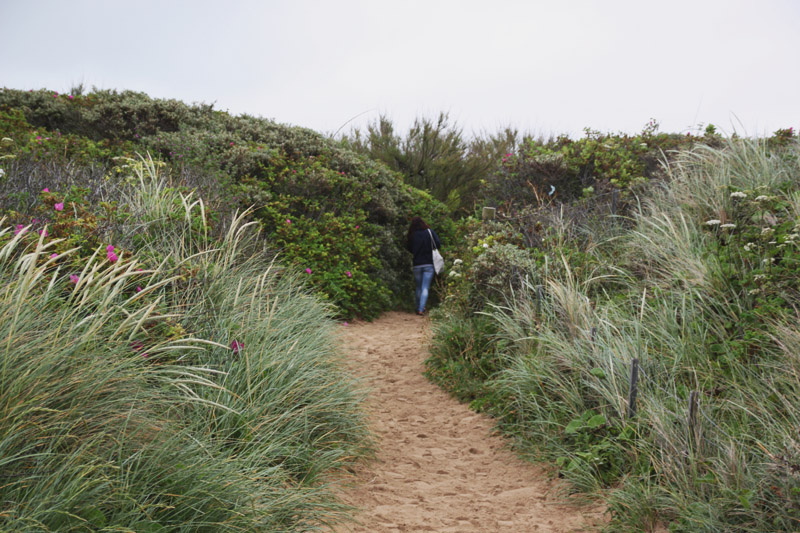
{"points": [[288, 221], [46, 189], [71, 97], [345, 322], [231, 143], [43, 232], [349, 275], [74, 278], [137, 347], [19, 229], [53, 255], [138, 289], [308, 271], [109, 248], [358, 227], [112, 257], [38, 137], [59, 206], [236, 346]]}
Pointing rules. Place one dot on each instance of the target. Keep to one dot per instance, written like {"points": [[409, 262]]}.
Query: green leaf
{"points": [[708, 478], [94, 516], [148, 526], [598, 372], [573, 426], [596, 421], [744, 498]]}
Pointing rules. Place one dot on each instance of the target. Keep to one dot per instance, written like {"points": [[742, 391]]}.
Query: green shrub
{"points": [[700, 285], [435, 156], [237, 163], [201, 392], [564, 170]]}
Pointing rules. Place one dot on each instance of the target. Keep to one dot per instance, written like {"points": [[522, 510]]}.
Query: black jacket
{"points": [[420, 246]]}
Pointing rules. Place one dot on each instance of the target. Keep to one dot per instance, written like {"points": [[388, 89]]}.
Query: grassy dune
{"points": [[188, 385], [699, 283]]}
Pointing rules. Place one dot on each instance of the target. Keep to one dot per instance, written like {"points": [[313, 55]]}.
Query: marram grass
{"points": [[211, 398], [705, 297]]}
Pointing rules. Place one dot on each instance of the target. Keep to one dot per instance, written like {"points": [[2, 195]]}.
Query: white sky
{"points": [[541, 66]]}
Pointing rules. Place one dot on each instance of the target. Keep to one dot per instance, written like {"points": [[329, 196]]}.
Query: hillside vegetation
{"points": [[170, 272], [188, 384], [333, 214], [694, 276]]}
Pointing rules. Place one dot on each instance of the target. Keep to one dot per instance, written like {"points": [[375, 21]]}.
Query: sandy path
{"points": [[439, 466]]}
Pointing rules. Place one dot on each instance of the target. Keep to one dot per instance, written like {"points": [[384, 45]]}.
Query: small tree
{"points": [[435, 156]]}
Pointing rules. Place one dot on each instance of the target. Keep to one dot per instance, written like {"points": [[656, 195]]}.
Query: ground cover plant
{"points": [[156, 378], [698, 281]]}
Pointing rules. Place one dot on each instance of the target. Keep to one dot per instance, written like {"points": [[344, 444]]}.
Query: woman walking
{"points": [[421, 241]]}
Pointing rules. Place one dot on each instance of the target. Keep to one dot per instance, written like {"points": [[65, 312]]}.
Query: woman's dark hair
{"points": [[416, 224]]}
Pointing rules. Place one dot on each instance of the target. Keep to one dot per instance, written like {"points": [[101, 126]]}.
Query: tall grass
{"points": [[703, 307], [209, 400]]}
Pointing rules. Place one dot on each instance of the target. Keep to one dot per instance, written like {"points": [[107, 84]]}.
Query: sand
{"points": [[439, 466]]}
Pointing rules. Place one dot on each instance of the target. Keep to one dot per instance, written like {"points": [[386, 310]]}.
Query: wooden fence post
{"points": [[539, 297], [634, 388], [488, 213]]}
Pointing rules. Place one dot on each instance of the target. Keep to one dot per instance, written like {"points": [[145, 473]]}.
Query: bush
{"points": [[176, 383], [237, 162], [564, 170], [700, 285]]}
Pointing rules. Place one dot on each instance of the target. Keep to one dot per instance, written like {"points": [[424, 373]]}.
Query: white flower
{"points": [[738, 194], [486, 245], [761, 198], [2, 172], [749, 246], [773, 242], [767, 231], [759, 277], [457, 262], [452, 273], [753, 291], [768, 260], [713, 222], [727, 226]]}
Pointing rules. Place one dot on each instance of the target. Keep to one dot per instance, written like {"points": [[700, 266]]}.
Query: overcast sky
{"points": [[545, 67]]}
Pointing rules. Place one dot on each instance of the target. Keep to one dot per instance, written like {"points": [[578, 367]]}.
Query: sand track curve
{"points": [[439, 466]]}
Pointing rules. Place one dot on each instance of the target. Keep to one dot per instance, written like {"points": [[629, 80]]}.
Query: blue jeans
{"points": [[423, 275]]}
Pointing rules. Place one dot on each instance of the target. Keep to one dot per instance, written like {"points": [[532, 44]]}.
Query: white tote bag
{"points": [[438, 260]]}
